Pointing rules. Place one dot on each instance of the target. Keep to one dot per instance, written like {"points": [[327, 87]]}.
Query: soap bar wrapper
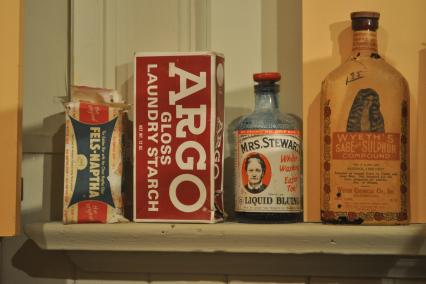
{"points": [[93, 163]]}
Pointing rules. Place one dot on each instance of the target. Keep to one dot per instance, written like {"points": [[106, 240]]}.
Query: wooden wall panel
{"points": [[10, 115]]}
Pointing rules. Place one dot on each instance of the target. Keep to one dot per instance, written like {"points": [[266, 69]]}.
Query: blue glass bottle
{"points": [[268, 159]]}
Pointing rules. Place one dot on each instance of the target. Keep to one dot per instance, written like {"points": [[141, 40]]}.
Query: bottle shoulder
{"points": [[364, 64], [269, 120]]}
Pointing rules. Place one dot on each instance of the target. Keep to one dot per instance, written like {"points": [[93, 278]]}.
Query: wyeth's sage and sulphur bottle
{"points": [[268, 159], [365, 137]]}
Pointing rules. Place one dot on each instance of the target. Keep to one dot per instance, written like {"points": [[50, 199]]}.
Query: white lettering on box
{"points": [[191, 114], [183, 77], [189, 164], [173, 193]]}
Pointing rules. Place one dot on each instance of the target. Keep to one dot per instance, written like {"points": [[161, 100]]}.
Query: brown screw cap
{"points": [[365, 14], [365, 20]]}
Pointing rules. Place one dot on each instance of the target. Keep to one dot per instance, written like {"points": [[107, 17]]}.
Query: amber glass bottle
{"points": [[365, 137]]}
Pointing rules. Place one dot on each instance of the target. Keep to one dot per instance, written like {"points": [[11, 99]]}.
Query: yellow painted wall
{"points": [[10, 115], [327, 40]]}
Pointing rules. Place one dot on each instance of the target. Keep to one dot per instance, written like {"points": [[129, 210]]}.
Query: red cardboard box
{"points": [[178, 137]]}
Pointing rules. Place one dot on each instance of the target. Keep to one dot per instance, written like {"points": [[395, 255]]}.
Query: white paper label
{"points": [[267, 170]]}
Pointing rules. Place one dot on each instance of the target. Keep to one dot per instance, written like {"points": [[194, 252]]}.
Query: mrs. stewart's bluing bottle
{"points": [[365, 137], [268, 159]]}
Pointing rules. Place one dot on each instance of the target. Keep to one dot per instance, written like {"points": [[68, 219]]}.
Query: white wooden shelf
{"points": [[302, 238]]}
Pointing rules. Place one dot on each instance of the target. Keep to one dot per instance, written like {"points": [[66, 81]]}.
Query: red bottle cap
{"points": [[267, 76]]}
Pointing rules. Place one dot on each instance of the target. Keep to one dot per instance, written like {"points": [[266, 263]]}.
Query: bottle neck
{"points": [[364, 42], [266, 101]]}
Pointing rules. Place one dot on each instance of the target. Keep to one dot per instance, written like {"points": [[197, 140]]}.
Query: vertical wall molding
{"points": [[269, 35], [95, 27], [194, 25], [110, 44], [88, 42], [185, 23], [202, 26]]}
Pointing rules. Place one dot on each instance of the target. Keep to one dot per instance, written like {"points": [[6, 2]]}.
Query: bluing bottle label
{"points": [[268, 166]]}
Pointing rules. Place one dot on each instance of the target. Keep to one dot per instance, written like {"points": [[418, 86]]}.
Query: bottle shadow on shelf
{"points": [[314, 72]]}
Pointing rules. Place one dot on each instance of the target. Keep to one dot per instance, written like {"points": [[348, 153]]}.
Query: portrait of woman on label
{"points": [[256, 173]]}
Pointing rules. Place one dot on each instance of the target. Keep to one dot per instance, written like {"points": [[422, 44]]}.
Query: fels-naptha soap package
{"points": [[93, 157]]}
